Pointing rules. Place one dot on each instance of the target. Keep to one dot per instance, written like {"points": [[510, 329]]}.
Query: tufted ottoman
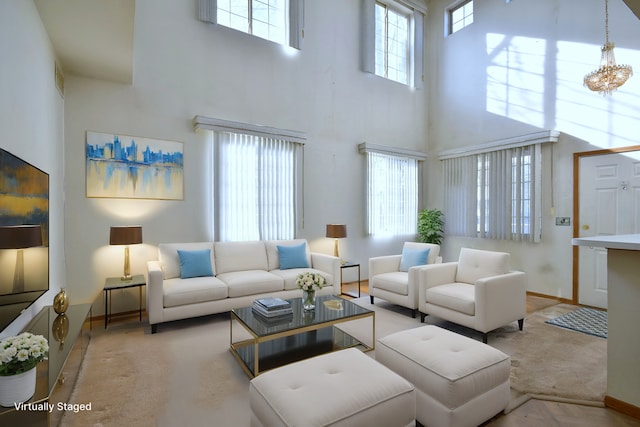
{"points": [[344, 388], [459, 381]]}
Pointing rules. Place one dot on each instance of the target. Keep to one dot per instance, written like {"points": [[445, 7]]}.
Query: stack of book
{"points": [[272, 308]]}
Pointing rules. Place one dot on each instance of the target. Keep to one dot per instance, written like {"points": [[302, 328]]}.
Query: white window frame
{"points": [[294, 20], [449, 21], [393, 189], [416, 13], [280, 224], [385, 67]]}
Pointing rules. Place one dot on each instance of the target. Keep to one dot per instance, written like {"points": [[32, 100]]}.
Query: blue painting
{"points": [[129, 167]]}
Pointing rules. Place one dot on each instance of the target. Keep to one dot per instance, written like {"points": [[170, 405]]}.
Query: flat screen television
{"points": [[24, 236]]}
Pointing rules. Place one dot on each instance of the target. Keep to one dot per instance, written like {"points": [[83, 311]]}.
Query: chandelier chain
{"points": [[606, 21]]}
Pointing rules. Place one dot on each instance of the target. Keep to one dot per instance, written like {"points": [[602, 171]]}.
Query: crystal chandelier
{"points": [[609, 76]]}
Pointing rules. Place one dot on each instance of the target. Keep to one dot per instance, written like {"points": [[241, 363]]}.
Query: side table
{"points": [[68, 336], [113, 283], [349, 264]]}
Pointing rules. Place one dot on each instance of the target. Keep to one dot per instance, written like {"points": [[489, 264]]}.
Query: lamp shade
{"points": [[20, 236], [127, 235], [337, 231]]}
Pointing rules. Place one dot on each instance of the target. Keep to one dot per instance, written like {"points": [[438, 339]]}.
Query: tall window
{"points": [[392, 43], [494, 195], [459, 16], [257, 181], [393, 33], [262, 18], [392, 192], [280, 21]]}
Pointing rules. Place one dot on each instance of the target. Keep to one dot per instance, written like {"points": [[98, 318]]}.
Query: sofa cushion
{"points": [[251, 282], [240, 256], [293, 256], [195, 263], [273, 257], [412, 257], [474, 264], [179, 292], [434, 250], [396, 282], [169, 260], [289, 276], [456, 296]]}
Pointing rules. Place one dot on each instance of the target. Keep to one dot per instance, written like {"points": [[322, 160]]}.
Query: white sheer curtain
{"points": [[460, 196], [494, 195], [392, 194], [256, 182]]}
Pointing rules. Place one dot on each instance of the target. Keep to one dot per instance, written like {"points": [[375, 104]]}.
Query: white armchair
{"points": [[396, 281], [478, 291]]}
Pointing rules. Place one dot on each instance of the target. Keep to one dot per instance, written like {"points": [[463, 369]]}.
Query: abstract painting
{"points": [[24, 194], [130, 167]]}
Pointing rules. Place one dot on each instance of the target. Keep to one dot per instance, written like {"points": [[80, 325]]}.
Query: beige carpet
{"points": [[184, 375]]}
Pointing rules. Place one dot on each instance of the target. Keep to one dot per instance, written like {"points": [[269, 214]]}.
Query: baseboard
{"points": [[121, 315], [623, 407], [562, 300]]}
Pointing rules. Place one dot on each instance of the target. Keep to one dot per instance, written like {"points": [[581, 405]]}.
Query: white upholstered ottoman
{"points": [[459, 381], [344, 388]]}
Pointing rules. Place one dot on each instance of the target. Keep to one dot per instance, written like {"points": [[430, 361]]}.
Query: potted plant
{"points": [[431, 226], [19, 356]]}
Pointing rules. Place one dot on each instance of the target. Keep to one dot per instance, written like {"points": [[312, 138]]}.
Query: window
{"points": [[393, 40], [495, 194], [279, 21], [392, 190], [257, 176], [256, 187], [262, 18], [459, 16], [392, 43]]}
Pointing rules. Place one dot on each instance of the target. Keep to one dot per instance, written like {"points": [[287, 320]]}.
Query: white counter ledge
{"points": [[623, 299], [630, 242]]}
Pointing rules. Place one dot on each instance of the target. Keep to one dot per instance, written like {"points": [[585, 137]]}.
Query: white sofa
{"points": [[243, 272]]}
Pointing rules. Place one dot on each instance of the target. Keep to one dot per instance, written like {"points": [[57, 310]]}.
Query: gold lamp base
{"points": [[127, 267]]}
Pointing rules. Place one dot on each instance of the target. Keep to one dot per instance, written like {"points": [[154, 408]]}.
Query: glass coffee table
{"points": [[267, 344]]}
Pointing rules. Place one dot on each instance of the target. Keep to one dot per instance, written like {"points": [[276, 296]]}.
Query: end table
{"points": [[349, 264], [117, 283]]}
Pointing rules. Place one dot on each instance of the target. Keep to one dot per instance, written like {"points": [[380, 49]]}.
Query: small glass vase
{"points": [[308, 300]]}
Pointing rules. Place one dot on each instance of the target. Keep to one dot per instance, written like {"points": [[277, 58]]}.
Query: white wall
{"points": [[31, 119], [518, 69], [183, 68]]}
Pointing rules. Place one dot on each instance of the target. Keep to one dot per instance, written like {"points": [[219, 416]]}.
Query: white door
{"points": [[609, 204]]}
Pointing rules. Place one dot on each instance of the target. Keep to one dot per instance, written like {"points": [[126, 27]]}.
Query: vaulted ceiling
{"points": [[634, 5], [91, 38], [94, 38]]}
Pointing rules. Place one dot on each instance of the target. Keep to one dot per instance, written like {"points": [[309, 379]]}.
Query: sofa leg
{"points": [[422, 316], [371, 298], [485, 337], [521, 323], [154, 328], [413, 313]]}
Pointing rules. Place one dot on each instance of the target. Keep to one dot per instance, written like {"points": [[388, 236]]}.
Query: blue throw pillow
{"points": [[195, 263], [412, 257], [293, 256]]}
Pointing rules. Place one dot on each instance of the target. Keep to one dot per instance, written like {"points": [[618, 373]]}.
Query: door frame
{"points": [[576, 206]]}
